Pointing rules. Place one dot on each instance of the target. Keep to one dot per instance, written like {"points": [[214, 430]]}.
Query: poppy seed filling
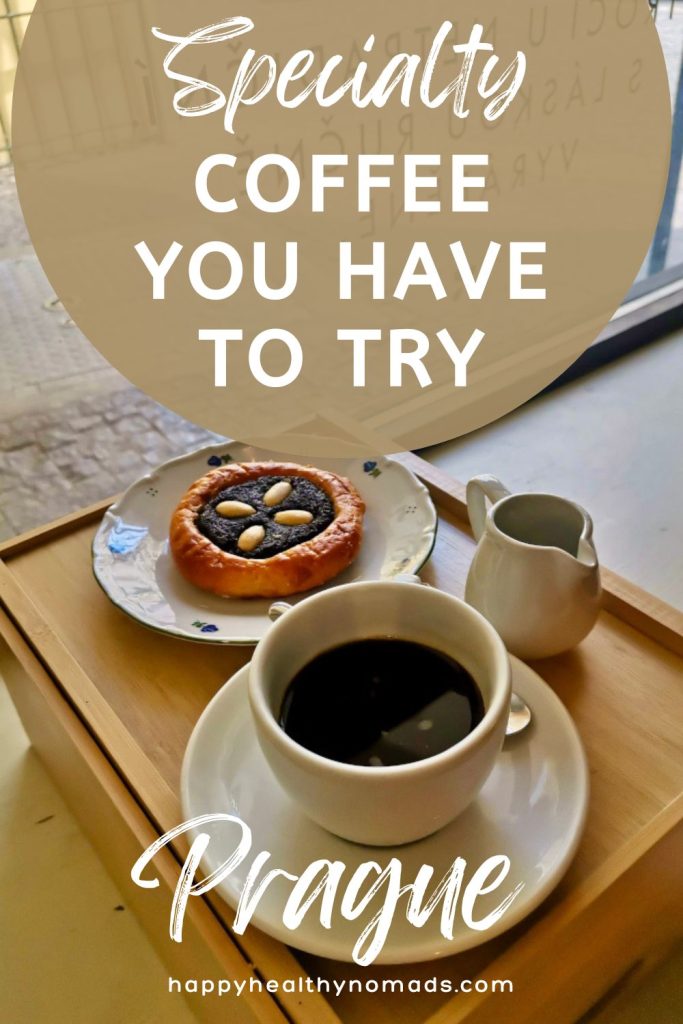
{"points": [[226, 532]]}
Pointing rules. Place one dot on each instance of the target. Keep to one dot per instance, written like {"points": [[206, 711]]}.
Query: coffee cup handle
{"points": [[479, 489], [407, 577], [280, 608]]}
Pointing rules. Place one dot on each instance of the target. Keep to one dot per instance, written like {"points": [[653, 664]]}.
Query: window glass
{"points": [[664, 260]]}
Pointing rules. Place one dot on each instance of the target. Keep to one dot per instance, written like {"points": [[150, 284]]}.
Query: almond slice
{"points": [[293, 517], [234, 509], [250, 539], [276, 494]]}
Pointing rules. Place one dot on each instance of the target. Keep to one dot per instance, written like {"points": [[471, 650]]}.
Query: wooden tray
{"points": [[110, 707]]}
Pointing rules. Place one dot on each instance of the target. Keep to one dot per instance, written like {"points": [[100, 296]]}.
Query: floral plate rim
{"points": [[218, 451]]}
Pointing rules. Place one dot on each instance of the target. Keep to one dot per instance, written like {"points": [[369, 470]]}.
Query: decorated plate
{"points": [[134, 567], [532, 809]]}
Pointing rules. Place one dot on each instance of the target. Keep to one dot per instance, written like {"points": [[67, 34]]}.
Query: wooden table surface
{"points": [[140, 693]]}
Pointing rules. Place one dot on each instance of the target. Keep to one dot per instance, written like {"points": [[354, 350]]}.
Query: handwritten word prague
{"points": [[370, 894]]}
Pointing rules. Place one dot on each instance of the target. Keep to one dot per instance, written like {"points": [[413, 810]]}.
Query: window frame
{"points": [[647, 315]]}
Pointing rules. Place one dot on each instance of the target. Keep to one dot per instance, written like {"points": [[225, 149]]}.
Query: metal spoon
{"points": [[519, 717]]}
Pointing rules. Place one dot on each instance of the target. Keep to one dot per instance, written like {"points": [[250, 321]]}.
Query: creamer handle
{"points": [[478, 490]]}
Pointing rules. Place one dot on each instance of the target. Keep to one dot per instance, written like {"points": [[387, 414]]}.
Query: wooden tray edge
{"points": [[646, 610], [268, 958], [648, 614], [632, 907]]}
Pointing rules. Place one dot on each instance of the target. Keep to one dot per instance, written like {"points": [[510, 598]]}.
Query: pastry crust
{"points": [[299, 568]]}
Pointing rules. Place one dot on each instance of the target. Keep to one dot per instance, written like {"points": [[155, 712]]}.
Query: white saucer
{"points": [[532, 809], [132, 563]]}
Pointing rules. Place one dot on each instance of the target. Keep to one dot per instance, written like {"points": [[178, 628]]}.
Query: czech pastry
{"points": [[266, 529]]}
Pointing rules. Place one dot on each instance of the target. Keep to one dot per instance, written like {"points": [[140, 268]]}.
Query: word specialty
{"points": [[410, 75], [370, 894]]}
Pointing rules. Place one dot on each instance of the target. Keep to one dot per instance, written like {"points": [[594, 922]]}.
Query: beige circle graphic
{"points": [[341, 228]]}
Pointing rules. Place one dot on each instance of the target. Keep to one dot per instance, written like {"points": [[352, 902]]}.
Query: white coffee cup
{"points": [[381, 806]]}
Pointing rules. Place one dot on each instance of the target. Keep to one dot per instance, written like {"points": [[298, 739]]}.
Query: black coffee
{"points": [[381, 702]]}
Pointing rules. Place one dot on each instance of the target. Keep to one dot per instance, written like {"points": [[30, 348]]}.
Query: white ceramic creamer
{"points": [[535, 573]]}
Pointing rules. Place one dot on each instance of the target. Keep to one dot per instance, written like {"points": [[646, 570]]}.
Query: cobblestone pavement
{"points": [[72, 430], [54, 462]]}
